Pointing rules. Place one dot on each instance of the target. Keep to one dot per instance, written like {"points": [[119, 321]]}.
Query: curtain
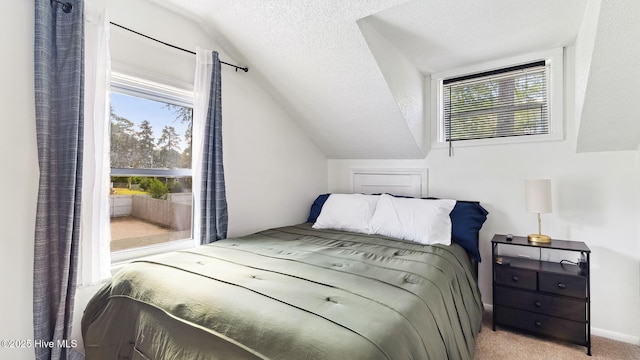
{"points": [[95, 260], [58, 73], [210, 210]]}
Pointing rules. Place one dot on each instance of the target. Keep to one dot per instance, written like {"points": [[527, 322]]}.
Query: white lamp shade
{"points": [[538, 195]]}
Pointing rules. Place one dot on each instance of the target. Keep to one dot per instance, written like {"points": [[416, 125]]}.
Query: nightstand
{"points": [[542, 297]]}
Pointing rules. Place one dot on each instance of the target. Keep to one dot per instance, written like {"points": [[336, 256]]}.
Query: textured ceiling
{"points": [[441, 35], [347, 70]]}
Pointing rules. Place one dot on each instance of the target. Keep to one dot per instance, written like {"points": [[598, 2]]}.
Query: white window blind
{"points": [[500, 103]]}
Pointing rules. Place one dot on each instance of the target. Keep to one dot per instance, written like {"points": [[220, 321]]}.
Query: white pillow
{"points": [[349, 212], [420, 220]]}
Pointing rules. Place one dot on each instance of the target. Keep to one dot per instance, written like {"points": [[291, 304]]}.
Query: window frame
{"points": [[157, 91], [555, 99]]}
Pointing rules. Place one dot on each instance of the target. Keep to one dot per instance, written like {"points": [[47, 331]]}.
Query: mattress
{"points": [[290, 293]]}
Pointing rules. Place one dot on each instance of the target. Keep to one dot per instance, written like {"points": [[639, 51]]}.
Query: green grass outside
{"points": [[123, 191]]}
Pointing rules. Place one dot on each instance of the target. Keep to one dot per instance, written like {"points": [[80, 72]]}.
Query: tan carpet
{"points": [[511, 345]]}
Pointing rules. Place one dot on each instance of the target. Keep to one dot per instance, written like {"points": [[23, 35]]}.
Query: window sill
{"points": [[121, 258], [499, 141]]}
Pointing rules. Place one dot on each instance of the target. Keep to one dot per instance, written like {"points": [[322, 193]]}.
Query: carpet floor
{"points": [[512, 345]]}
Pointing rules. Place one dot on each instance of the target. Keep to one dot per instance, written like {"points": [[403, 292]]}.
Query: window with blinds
{"points": [[507, 102]]}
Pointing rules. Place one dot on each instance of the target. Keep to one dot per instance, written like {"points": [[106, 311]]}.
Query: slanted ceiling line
{"points": [[245, 69]]}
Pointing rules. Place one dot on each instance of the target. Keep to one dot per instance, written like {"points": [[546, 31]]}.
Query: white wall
{"points": [[405, 82], [596, 199], [19, 180], [273, 171]]}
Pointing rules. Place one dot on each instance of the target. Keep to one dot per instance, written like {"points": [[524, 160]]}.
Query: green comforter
{"points": [[290, 293]]}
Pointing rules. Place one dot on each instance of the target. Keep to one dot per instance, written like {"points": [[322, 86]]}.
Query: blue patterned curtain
{"points": [[59, 92], [213, 201]]}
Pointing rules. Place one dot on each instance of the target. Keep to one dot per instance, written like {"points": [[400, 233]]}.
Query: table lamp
{"points": [[538, 200]]}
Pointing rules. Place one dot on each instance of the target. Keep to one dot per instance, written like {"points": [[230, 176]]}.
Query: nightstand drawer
{"points": [[562, 329], [565, 308], [563, 285], [519, 278]]}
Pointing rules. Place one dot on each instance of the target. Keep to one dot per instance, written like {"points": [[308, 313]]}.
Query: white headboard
{"points": [[407, 182]]}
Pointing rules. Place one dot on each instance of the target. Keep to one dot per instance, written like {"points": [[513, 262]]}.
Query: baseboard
{"points": [[613, 335], [630, 339]]}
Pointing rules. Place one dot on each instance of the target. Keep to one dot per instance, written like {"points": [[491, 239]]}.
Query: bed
{"points": [[294, 292]]}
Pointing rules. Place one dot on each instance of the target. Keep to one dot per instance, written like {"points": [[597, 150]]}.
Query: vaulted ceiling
{"points": [[352, 73]]}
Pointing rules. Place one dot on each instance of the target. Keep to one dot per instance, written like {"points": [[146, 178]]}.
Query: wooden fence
{"points": [[171, 214]]}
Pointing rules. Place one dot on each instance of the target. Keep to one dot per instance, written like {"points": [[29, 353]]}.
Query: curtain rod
{"points": [[245, 69]]}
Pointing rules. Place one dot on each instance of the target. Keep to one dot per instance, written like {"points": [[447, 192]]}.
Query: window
{"points": [[507, 103], [150, 156]]}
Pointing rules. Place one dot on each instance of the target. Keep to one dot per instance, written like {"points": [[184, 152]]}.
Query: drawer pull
{"points": [[538, 323], [562, 286], [514, 278], [537, 303]]}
